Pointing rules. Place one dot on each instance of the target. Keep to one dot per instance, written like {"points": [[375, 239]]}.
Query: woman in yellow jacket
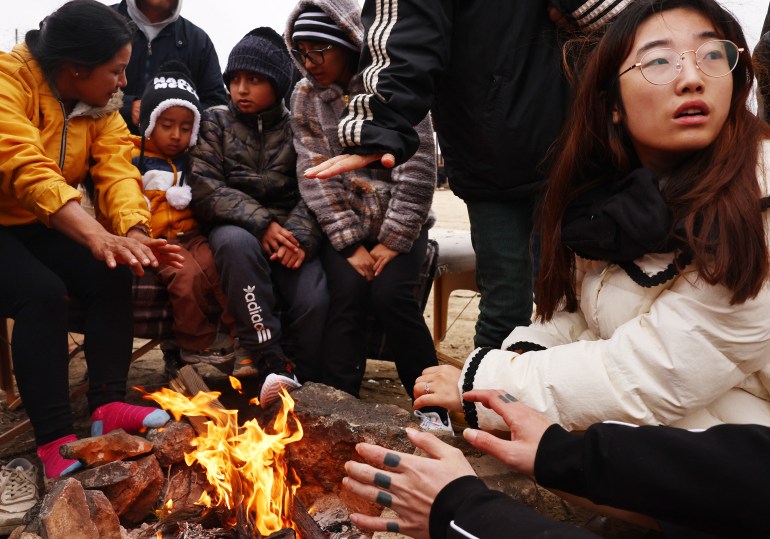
{"points": [[59, 123]]}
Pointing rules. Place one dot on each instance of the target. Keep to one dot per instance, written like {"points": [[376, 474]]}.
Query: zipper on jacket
{"points": [[149, 48], [62, 152], [170, 232], [261, 144]]}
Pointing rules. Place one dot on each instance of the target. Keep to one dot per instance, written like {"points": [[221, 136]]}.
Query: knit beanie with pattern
{"points": [[170, 87], [313, 24], [262, 51]]}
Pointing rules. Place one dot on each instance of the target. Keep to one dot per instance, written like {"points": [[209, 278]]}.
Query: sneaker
{"points": [[18, 492], [432, 422], [244, 366], [221, 351], [280, 375]]}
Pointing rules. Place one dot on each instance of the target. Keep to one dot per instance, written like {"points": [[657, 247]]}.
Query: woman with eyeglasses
{"points": [[653, 308], [652, 302], [375, 222]]}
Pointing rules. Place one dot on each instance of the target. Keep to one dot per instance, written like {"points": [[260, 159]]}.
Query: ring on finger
{"points": [[392, 526], [427, 388]]}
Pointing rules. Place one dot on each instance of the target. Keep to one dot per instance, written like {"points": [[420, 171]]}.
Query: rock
{"points": [[333, 423], [106, 475], [185, 485], [171, 442], [102, 514], [21, 533], [115, 446], [133, 487], [64, 513]]}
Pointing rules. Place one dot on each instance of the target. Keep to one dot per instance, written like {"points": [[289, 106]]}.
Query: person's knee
{"points": [[50, 294], [311, 303], [390, 297], [230, 240]]}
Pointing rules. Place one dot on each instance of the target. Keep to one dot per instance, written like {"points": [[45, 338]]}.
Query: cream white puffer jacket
{"points": [[674, 354]]}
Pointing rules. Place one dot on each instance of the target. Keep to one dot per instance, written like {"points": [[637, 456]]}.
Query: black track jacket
{"points": [[489, 70]]}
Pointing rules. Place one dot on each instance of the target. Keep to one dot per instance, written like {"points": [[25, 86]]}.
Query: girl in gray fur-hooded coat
{"points": [[374, 221]]}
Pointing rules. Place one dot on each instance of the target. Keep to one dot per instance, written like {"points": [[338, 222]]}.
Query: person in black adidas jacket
{"points": [[713, 483], [491, 73], [165, 35]]}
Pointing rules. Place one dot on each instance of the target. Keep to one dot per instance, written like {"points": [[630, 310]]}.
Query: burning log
{"points": [[306, 526], [286, 533], [189, 383]]}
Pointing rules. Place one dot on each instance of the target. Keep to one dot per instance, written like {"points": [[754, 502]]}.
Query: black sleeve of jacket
{"points": [[717, 481], [467, 504], [406, 49], [210, 86]]}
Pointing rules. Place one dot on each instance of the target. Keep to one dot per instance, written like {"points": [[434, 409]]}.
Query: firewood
{"points": [[286, 533], [170, 524], [306, 526]]}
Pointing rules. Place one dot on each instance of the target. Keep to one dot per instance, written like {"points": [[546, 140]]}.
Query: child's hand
{"points": [[382, 255], [362, 262], [289, 258], [275, 237]]}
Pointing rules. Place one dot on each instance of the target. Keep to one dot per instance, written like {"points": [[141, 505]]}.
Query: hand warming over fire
{"points": [[408, 484], [437, 386]]}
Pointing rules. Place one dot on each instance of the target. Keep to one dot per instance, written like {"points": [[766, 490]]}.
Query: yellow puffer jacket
{"points": [[45, 155], [167, 221]]}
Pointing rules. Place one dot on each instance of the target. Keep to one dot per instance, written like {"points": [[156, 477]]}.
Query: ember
{"points": [[245, 465]]}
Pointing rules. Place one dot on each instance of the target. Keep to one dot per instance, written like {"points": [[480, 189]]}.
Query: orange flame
{"points": [[245, 465]]}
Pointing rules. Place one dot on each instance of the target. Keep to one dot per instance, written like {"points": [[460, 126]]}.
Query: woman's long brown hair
{"points": [[714, 193]]}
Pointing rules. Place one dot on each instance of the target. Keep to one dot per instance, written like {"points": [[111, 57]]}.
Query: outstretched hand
{"points": [[408, 484], [346, 163], [136, 250], [526, 425]]}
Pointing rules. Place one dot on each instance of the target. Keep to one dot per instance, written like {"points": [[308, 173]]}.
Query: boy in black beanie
{"points": [[264, 238], [169, 121]]}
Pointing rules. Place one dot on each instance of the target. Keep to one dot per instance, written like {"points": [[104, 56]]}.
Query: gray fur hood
{"points": [[346, 14], [84, 109]]}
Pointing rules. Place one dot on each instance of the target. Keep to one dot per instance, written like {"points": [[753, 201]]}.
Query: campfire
{"points": [[205, 476], [245, 464]]}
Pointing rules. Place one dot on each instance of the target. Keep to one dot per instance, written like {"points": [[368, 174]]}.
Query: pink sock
{"points": [[54, 464], [130, 418]]}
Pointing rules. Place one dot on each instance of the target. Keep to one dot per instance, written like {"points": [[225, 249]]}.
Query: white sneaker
{"points": [[272, 385], [18, 492], [431, 421]]}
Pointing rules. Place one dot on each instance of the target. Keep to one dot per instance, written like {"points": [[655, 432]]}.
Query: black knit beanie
{"points": [[170, 87], [313, 24], [262, 51]]}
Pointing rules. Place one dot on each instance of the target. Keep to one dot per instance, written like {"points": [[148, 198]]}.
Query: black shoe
{"points": [[172, 363]]}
